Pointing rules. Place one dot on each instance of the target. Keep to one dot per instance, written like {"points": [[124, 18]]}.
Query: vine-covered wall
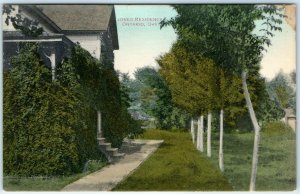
{"points": [[50, 127]]}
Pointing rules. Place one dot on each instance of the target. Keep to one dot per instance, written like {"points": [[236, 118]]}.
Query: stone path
{"points": [[109, 176]]}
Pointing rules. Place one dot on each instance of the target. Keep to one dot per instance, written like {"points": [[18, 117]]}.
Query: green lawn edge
{"points": [[175, 166]]}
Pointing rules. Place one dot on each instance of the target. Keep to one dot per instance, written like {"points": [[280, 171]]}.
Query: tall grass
{"points": [[276, 164]]}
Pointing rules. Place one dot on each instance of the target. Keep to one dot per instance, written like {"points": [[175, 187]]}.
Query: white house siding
{"points": [[91, 43]]}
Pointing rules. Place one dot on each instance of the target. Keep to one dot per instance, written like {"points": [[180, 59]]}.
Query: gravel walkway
{"points": [[109, 176]]}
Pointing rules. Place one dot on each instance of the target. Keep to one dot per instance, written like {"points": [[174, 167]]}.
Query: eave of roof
{"points": [[114, 30], [17, 36]]}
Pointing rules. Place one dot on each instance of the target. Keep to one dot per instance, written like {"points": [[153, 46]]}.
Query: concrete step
{"points": [[112, 151], [105, 145], [101, 139], [99, 135]]}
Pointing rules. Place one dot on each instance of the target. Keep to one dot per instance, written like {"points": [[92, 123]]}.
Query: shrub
{"points": [[275, 127], [94, 165]]}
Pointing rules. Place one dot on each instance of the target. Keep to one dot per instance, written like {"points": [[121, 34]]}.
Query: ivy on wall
{"points": [[50, 126]]}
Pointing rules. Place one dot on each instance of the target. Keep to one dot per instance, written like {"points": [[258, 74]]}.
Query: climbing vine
{"points": [[50, 126]]}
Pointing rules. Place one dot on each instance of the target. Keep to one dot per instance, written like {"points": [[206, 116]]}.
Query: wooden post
{"points": [[221, 156], [201, 133], [209, 134], [198, 134]]}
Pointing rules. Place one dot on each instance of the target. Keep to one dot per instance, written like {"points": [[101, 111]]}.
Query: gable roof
{"points": [[78, 17]]}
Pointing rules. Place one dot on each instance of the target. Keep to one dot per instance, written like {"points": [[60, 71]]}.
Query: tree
{"points": [[200, 80], [280, 89], [224, 33], [125, 89], [293, 85], [229, 95], [191, 79], [293, 76], [150, 96], [155, 95]]}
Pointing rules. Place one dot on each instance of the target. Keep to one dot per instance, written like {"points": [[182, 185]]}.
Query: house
{"points": [[92, 26]]}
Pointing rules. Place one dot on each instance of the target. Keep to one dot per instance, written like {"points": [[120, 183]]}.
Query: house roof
{"points": [[79, 17]]}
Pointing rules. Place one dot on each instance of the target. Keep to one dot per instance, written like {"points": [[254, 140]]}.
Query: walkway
{"points": [[109, 176]]}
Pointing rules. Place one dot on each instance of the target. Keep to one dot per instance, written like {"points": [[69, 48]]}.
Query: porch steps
{"points": [[112, 154]]}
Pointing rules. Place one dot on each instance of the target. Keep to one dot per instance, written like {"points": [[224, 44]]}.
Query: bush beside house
{"points": [[50, 126]]}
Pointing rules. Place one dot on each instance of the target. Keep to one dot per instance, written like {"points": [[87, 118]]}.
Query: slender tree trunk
{"points": [[200, 134], [193, 131], [257, 132], [221, 157], [209, 134]]}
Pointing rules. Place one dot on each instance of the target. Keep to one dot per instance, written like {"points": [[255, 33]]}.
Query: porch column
{"points": [[99, 130], [51, 57], [53, 65]]}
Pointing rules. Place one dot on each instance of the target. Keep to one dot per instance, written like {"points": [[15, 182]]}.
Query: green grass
{"points": [[46, 184], [175, 166], [277, 160], [39, 184], [178, 166]]}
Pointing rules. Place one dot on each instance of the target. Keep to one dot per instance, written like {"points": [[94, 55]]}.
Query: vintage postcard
{"points": [[115, 97]]}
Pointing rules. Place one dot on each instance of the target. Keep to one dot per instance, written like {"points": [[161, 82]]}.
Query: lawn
{"points": [[277, 160], [46, 184], [175, 166], [39, 184], [178, 166]]}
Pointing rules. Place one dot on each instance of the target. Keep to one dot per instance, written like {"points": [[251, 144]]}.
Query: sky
{"points": [[141, 40], [141, 45]]}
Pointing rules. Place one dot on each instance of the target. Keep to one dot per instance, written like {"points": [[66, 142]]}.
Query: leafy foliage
{"points": [[227, 34], [277, 128], [50, 126], [199, 86], [281, 90], [100, 90], [125, 89], [40, 120], [150, 95], [224, 33], [178, 68], [27, 26]]}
